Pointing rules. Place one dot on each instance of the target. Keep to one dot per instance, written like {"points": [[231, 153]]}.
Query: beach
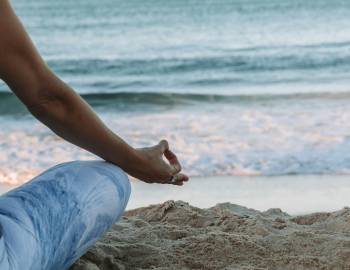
{"points": [[252, 96], [218, 234], [295, 194], [176, 235], [289, 222]]}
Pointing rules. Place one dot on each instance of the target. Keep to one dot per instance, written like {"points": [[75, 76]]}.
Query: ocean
{"points": [[238, 87]]}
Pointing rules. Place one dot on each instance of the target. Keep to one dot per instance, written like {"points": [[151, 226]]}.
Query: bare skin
{"points": [[56, 105]]}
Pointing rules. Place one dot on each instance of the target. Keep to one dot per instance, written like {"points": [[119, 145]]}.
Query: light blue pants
{"points": [[49, 222]]}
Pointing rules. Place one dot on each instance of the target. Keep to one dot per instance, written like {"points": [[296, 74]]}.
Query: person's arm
{"points": [[56, 105]]}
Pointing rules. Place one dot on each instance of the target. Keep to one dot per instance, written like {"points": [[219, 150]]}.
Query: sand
{"points": [[176, 235]]}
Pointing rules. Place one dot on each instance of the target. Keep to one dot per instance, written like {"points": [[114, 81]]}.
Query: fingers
{"points": [[175, 166], [178, 179], [174, 162], [156, 168]]}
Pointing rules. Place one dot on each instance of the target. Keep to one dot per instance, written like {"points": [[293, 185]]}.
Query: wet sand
{"points": [[295, 194]]}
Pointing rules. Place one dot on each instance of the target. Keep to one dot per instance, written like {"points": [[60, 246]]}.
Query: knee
{"points": [[97, 175], [108, 171]]}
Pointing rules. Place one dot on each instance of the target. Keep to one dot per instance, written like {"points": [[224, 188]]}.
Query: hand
{"points": [[152, 168]]}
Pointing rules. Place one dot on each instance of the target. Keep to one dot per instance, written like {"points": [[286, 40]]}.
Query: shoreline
{"points": [[295, 194]]}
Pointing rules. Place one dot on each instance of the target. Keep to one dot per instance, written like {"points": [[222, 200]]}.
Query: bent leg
{"points": [[49, 222]]}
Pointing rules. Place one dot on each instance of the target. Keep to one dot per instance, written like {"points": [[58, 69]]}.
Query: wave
{"points": [[241, 68], [256, 59], [174, 66], [154, 98], [9, 104]]}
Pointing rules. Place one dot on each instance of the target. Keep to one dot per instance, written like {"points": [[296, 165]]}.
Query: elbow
{"points": [[49, 104], [41, 102], [37, 93], [41, 108]]}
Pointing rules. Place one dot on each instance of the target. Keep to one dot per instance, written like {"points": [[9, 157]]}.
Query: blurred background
{"points": [[243, 89]]}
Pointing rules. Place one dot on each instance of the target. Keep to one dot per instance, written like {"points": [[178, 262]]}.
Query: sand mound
{"points": [[175, 235]]}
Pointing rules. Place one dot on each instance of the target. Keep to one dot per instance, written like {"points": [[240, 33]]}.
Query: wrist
{"points": [[129, 159]]}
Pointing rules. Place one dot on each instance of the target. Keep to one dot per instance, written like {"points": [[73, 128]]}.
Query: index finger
{"points": [[174, 162]]}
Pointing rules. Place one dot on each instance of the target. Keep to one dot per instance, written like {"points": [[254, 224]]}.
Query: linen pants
{"points": [[52, 220]]}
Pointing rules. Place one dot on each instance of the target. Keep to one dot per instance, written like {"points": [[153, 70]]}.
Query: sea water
{"points": [[238, 87]]}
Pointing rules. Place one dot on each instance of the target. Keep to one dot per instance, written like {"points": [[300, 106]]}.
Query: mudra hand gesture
{"points": [[152, 168]]}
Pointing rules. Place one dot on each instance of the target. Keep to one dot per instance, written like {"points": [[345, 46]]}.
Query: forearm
{"points": [[70, 117]]}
